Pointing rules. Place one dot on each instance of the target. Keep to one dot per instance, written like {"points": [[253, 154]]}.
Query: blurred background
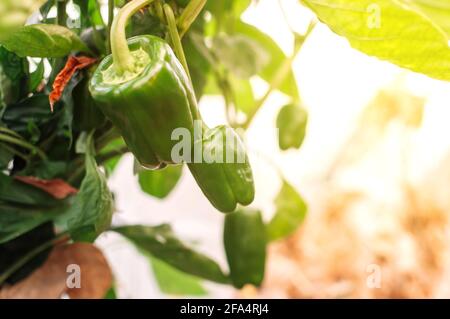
{"points": [[374, 170]]}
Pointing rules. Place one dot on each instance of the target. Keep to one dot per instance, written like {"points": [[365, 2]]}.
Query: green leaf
{"points": [[31, 117], [114, 146], [14, 191], [37, 76], [92, 210], [198, 58], [89, 13], [43, 41], [24, 207], [47, 169], [160, 183], [243, 95], [174, 282], [389, 30], [160, 242], [277, 58], [291, 123], [13, 78], [17, 219], [240, 6], [437, 10], [6, 155], [240, 54], [245, 241], [290, 213]]}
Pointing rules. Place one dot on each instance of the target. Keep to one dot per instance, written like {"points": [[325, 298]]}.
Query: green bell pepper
{"points": [[245, 243], [226, 177], [143, 89]]}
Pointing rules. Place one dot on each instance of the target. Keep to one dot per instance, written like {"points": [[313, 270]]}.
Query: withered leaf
{"points": [[50, 280], [58, 188], [73, 64]]}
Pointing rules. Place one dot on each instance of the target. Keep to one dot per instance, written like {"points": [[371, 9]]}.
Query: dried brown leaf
{"points": [[50, 280], [73, 64], [56, 187]]}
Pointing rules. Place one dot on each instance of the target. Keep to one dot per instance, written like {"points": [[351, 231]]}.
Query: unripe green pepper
{"points": [[226, 177], [292, 121], [245, 243], [143, 89]]}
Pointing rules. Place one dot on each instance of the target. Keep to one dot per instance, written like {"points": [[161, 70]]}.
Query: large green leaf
{"points": [[43, 41], [437, 10], [390, 30], [92, 210], [277, 58], [174, 282], [197, 58], [290, 213], [161, 243], [32, 117], [24, 207], [16, 220], [240, 54], [13, 78], [244, 98], [160, 183], [14, 191]]}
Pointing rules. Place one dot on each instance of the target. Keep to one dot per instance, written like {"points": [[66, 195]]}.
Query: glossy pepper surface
{"points": [[146, 105], [225, 175], [245, 243]]}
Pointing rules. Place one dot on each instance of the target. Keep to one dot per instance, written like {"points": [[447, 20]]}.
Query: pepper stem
{"points": [[123, 60]]}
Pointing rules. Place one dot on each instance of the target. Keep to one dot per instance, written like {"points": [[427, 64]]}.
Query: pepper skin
{"points": [[149, 106], [225, 184], [245, 242]]}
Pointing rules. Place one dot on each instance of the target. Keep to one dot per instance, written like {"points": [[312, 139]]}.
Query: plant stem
{"points": [[189, 15], [179, 52], [159, 10], [279, 77], [123, 60], [22, 143], [101, 158], [110, 22], [175, 37], [14, 151], [61, 15], [10, 132], [30, 255]]}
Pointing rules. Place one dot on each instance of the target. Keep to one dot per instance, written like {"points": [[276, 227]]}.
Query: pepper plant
{"points": [[76, 94]]}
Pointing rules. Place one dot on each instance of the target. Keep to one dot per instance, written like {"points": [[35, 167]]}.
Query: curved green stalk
{"points": [[279, 77], [189, 15], [179, 52], [110, 21], [175, 37], [22, 143], [123, 60], [14, 151], [10, 132]]}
